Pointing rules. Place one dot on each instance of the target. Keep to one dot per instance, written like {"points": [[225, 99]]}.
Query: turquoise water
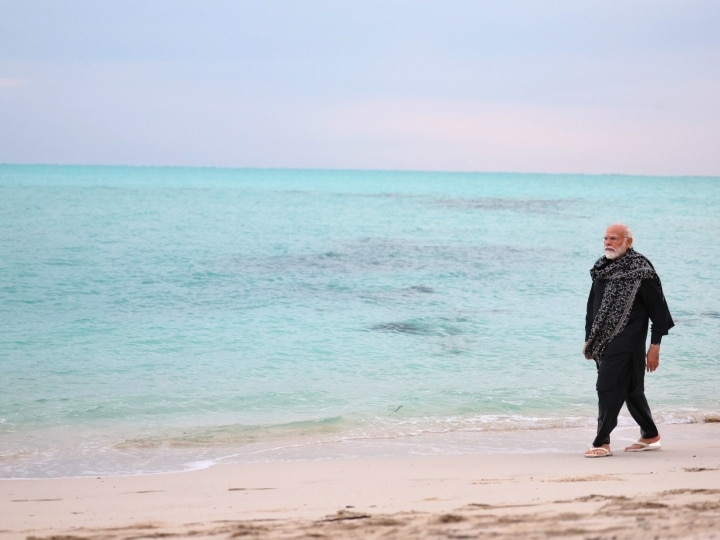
{"points": [[156, 319]]}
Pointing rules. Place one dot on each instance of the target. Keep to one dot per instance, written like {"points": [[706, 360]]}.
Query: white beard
{"points": [[612, 253]]}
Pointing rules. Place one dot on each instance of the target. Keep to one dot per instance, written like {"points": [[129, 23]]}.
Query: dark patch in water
{"points": [[711, 314], [417, 328], [534, 206], [401, 328], [422, 289], [371, 255]]}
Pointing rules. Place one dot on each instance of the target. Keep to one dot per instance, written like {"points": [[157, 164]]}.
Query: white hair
{"points": [[628, 231]]}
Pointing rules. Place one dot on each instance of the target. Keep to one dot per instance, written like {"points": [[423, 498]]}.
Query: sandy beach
{"points": [[672, 493]]}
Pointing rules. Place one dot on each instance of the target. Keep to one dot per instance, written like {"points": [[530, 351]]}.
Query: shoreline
{"points": [[62, 458], [672, 493]]}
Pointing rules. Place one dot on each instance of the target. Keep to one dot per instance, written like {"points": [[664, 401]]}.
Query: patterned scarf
{"points": [[623, 276]]}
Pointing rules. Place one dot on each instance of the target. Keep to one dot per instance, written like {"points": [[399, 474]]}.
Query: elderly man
{"points": [[625, 296]]}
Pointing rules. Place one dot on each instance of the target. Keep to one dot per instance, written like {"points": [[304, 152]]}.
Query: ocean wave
{"points": [[225, 435], [338, 429]]}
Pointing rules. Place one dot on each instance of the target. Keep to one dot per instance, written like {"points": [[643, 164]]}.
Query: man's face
{"points": [[616, 244]]}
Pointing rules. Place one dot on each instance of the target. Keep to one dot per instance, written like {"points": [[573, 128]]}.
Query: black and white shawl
{"points": [[624, 276]]}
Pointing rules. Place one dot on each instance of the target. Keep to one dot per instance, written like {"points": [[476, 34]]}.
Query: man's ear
{"points": [[629, 241]]}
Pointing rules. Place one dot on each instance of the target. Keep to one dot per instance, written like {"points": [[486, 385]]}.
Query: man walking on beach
{"points": [[625, 295]]}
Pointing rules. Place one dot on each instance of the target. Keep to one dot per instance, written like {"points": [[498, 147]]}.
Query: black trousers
{"points": [[617, 385]]}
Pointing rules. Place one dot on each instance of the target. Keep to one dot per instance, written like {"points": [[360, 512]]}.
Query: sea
{"points": [[158, 319]]}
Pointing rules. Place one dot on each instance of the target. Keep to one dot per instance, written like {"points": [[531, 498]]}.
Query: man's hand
{"points": [[586, 353], [653, 358]]}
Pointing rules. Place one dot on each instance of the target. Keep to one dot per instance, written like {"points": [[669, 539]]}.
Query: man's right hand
{"points": [[586, 354]]}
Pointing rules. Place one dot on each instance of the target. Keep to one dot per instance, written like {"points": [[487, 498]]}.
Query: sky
{"points": [[547, 86]]}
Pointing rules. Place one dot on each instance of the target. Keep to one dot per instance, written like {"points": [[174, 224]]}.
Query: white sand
{"points": [[672, 493]]}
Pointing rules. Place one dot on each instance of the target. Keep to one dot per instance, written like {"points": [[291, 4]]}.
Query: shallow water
{"points": [[155, 318]]}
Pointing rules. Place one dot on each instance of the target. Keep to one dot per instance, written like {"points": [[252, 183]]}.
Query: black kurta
{"points": [[621, 370], [624, 356]]}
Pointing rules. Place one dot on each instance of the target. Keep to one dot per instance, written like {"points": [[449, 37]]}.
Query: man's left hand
{"points": [[653, 358]]}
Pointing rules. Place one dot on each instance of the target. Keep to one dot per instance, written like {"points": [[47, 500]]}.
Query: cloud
{"points": [[11, 83], [512, 86], [538, 138]]}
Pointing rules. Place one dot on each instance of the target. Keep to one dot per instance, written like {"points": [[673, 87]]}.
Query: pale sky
{"points": [[611, 86]]}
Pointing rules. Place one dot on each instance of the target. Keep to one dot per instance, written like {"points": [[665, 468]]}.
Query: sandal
{"points": [[598, 451]]}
